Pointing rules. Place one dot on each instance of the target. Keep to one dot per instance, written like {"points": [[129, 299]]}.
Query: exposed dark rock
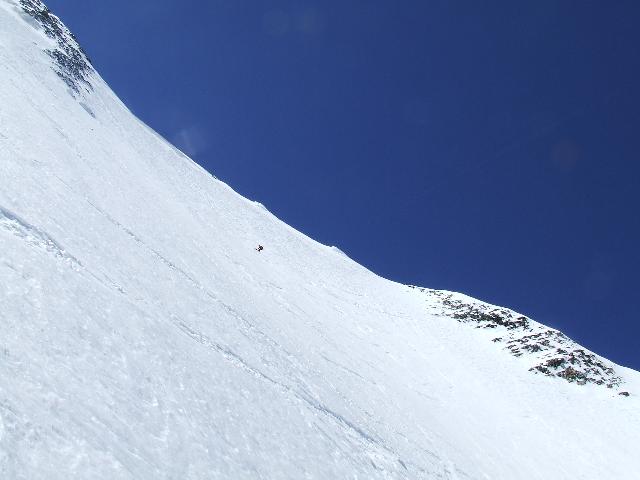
{"points": [[552, 353], [70, 61]]}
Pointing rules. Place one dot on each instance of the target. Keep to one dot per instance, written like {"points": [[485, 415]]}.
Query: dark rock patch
{"points": [[552, 353], [70, 62]]}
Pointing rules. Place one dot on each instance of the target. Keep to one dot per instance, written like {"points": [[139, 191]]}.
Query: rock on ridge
{"points": [[551, 352], [71, 63]]}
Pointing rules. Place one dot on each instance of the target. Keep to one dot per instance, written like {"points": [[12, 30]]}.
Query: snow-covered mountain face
{"points": [[142, 336]]}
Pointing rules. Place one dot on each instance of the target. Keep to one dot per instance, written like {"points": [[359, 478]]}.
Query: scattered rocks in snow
{"points": [[552, 353], [71, 63]]}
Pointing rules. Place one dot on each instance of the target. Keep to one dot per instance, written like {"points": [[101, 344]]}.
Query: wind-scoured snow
{"points": [[142, 336]]}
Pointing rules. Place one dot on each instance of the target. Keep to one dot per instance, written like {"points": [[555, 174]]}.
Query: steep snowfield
{"points": [[143, 337]]}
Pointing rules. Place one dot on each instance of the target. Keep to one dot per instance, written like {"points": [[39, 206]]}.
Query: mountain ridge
{"points": [[142, 336], [553, 353]]}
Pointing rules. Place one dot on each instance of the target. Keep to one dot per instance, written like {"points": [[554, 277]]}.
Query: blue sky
{"points": [[486, 147]]}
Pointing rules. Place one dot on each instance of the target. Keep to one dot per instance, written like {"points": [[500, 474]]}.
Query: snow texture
{"points": [[143, 337]]}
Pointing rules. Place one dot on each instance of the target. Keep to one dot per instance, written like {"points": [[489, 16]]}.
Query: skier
{"points": [[260, 248]]}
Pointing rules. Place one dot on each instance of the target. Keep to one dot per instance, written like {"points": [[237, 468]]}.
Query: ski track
{"points": [[41, 240], [35, 237], [311, 402]]}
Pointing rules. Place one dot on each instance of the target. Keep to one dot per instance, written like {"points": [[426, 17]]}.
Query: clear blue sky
{"points": [[491, 148]]}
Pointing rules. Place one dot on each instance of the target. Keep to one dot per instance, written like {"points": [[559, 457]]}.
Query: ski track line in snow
{"points": [[35, 237], [311, 402], [39, 239]]}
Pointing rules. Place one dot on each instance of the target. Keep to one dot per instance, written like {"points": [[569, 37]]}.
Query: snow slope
{"points": [[143, 337]]}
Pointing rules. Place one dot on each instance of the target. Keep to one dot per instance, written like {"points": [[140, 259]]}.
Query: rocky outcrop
{"points": [[550, 351], [71, 63]]}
